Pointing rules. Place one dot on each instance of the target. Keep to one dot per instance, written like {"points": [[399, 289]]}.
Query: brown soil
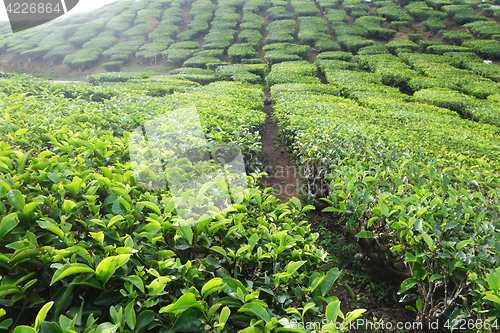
{"points": [[283, 173]]}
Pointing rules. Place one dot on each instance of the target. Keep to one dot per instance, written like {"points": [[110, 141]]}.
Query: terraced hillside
{"points": [[390, 113]]}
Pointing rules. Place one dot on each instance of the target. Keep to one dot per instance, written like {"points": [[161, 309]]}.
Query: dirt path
{"points": [[283, 173], [68, 82]]}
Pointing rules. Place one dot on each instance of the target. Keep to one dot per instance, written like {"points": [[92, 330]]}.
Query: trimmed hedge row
{"points": [[420, 11], [280, 31], [122, 51], [483, 29], [279, 13], [82, 58], [489, 49], [373, 26], [440, 67], [293, 72], [304, 8], [336, 16], [252, 36], [201, 11], [239, 73], [280, 52], [393, 13], [313, 31], [483, 111], [237, 52], [353, 43], [393, 71]]}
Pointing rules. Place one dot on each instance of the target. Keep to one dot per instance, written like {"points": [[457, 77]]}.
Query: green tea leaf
{"points": [[16, 199], [151, 205], [42, 314], [144, 319], [109, 265], [24, 329], [365, 234], [8, 223], [332, 311], [70, 269], [331, 276], [4, 325], [212, 286], [185, 301], [257, 309], [130, 314], [293, 266]]}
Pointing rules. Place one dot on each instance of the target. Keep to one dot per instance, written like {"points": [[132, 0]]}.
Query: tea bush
{"points": [[252, 21], [333, 64], [324, 4], [490, 71], [112, 66], [293, 72], [373, 49], [345, 56], [355, 6], [393, 45], [137, 30], [96, 79], [419, 10], [434, 24], [424, 44], [489, 49], [312, 29], [204, 62], [467, 105], [461, 59], [119, 244], [237, 73], [280, 52], [456, 37], [353, 43], [373, 26], [150, 51], [345, 29], [237, 52], [103, 41], [326, 44], [254, 5], [279, 13], [304, 8], [482, 29], [82, 58], [177, 55], [252, 36], [120, 22], [325, 130], [124, 50], [58, 53], [336, 16], [280, 31], [393, 13]]}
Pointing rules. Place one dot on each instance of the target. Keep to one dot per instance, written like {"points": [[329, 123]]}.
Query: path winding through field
{"points": [[283, 173]]}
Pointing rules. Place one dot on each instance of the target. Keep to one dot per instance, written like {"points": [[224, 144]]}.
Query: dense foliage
{"points": [[390, 109]]}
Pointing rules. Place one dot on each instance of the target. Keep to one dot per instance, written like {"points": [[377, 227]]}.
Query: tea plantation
{"points": [[391, 110]]}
